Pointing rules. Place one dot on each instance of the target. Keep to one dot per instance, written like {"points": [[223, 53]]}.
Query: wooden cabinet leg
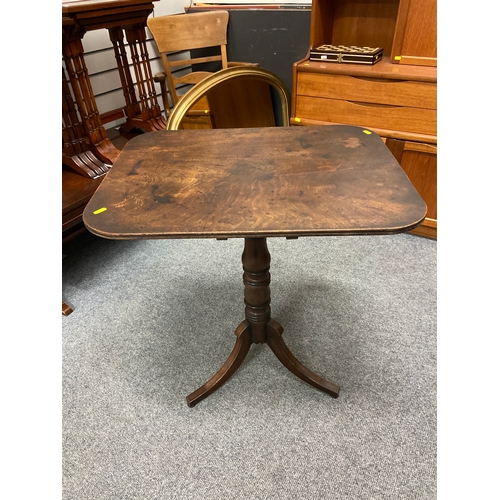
{"points": [[66, 310]]}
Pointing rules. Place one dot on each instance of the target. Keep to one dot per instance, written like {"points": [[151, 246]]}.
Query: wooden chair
{"points": [[176, 36], [238, 97]]}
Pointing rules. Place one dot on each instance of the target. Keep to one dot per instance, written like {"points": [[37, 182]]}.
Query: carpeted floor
{"points": [[153, 320]]}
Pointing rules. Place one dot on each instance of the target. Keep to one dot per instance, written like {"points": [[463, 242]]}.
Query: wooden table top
{"points": [[262, 182]]}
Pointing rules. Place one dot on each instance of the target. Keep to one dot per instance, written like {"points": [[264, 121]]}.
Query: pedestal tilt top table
{"points": [[255, 183]]}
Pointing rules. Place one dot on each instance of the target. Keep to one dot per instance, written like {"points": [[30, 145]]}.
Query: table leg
{"points": [[259, 327], [238, 354], [280, 349]]}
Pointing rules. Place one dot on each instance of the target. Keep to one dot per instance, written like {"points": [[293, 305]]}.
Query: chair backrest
{"points": [[242, 96], [186, 32]]}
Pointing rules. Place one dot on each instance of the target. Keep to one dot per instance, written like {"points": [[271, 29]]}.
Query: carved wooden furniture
{"points": [[86, 147], [395, 97], [87, 151], [255, 183]]}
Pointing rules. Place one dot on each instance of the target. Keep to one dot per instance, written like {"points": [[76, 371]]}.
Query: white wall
{"points": [[165, 7]]}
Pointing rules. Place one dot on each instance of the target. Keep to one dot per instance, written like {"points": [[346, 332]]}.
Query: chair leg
{"points": [[161, 79]]}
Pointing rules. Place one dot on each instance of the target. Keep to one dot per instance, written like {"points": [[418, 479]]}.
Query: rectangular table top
{"points": [[260, 182]]}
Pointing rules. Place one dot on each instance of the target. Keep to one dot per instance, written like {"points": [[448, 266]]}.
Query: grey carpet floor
{"points": [[153, 320]]}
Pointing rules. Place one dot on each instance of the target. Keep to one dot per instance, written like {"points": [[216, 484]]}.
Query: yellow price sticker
{"points": [[367, 132], [96, 212]]}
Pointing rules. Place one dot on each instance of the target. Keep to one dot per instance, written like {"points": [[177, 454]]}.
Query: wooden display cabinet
{"points": [[396, 97]]}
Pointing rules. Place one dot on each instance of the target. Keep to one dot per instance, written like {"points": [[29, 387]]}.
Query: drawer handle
{"points": [[379, 80], [418, 147], [374, 104]]}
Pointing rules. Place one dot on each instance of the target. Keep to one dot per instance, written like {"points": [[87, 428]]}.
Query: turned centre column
{"points": [[256, 278]]}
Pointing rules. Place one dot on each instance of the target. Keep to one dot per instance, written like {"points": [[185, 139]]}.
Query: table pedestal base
{"points": [[258, 327]]}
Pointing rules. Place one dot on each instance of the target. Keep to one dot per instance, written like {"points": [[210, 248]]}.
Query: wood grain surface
{"points": [[284, 181]]}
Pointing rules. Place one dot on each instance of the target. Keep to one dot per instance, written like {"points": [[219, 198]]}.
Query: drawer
{"points": [[370, 90], [379, 116]]}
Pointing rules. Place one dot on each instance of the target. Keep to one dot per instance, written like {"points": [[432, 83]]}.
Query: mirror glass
{"points": [[236, 103]]}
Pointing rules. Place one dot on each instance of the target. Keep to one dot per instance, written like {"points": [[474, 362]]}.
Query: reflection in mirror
{"points": [[233, 98]]}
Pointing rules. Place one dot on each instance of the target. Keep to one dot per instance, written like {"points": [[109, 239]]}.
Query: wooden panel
{"points": [[242, 103], [428, 228], [179, 32], [417, 120], [420, 166], [321, 22], [364, 22], [415, 40], [394, 92], [419, 161]]}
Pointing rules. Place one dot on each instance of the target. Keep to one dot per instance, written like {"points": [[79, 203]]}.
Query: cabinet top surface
{"points": [[382, 69], [75, 6], [278, 181]]}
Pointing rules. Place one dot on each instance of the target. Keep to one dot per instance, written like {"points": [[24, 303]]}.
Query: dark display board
{"points": [[274, 38]]}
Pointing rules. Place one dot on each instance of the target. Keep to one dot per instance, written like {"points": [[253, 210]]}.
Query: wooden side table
{"points": [[254, 184]]}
